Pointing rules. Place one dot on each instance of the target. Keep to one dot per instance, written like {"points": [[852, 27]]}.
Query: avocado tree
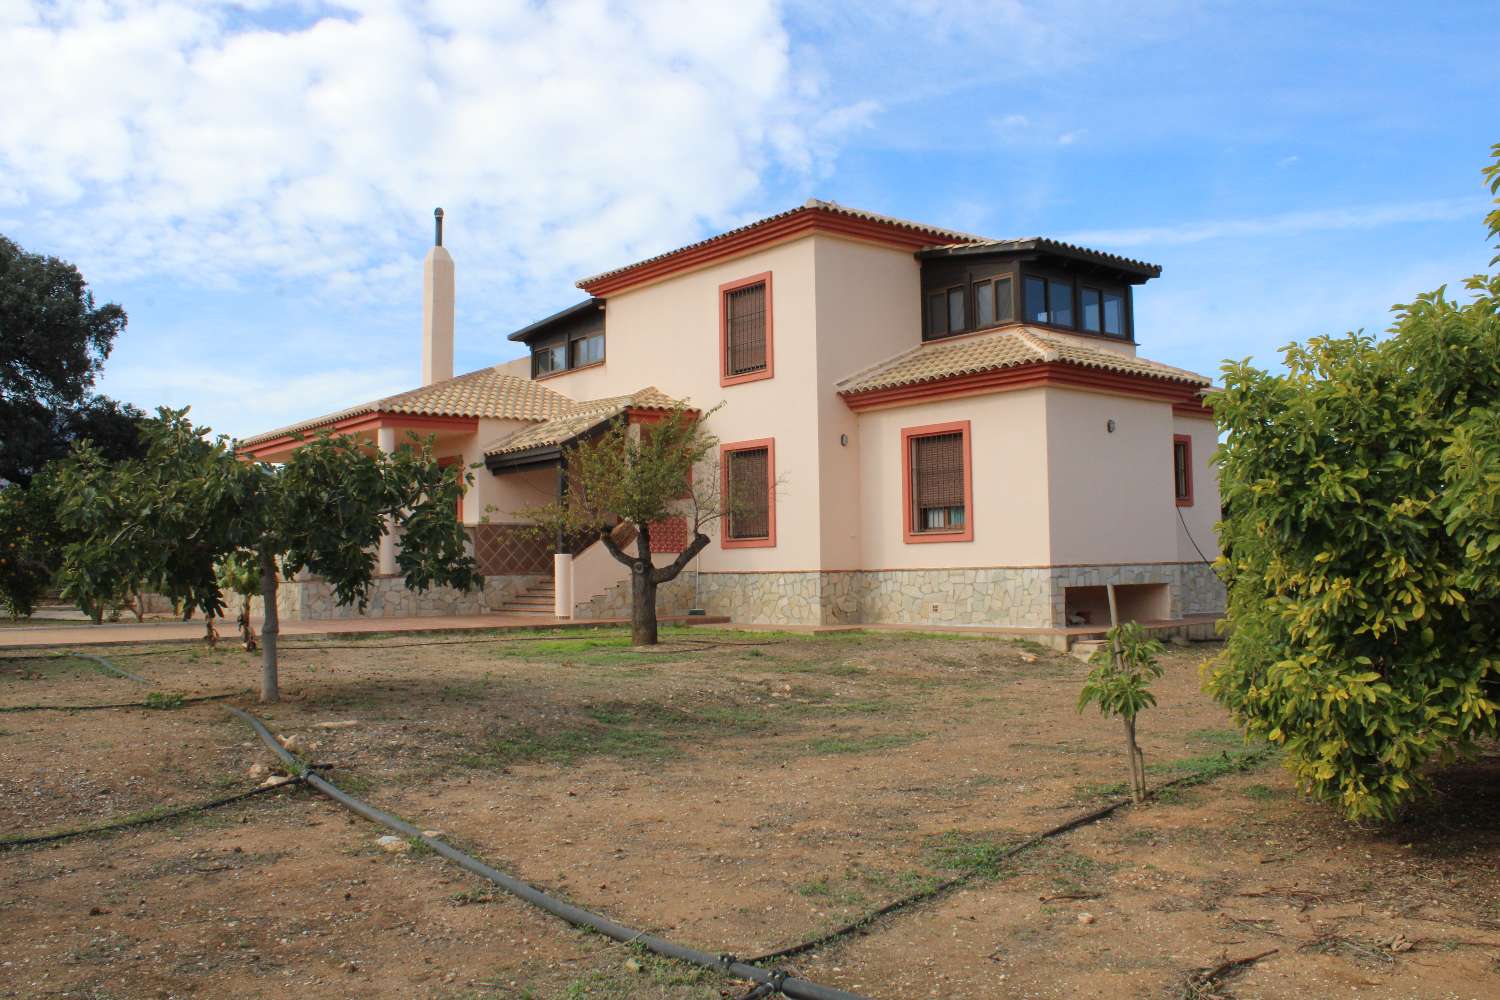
{"points": [[193, 504], [641, 477], [1120, 685], [1362, 548]]}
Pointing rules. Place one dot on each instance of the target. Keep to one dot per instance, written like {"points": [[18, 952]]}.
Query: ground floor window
{"points": [[938, 483], [749, 489], [1182, 469]]}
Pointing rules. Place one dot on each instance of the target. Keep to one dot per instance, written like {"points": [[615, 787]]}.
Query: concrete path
{"points": [[44, 636]]}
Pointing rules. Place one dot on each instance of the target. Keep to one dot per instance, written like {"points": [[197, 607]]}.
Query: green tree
{"points": [[192, 504], [1120, 684], [1363, 548], [29, 544], [53, 343], [639, 476]]}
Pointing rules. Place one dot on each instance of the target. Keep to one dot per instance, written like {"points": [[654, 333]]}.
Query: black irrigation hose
{"points": [[108, 667], [777, 980], [118, 704], [941, 888], [47, 838]]}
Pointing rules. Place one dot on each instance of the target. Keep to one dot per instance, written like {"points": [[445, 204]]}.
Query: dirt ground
{"points": [[735, 791]]}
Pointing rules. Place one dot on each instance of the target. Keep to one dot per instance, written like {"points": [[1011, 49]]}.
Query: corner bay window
{"points": [[748, 482], [746, 329], [938, 483]]}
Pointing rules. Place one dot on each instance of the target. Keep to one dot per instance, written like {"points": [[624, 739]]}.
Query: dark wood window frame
{"points": [[910, 533], [1182, 469], [567, 343], [769, 370], [726, 453]]}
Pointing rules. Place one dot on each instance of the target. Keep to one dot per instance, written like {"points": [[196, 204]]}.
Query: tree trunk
{"points": [[270, 629], [643, 627], [1136, 761]]}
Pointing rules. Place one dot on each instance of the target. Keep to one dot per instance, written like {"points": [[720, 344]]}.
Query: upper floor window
{"points": [[1101, 311], [745, 330], [1049, 300], [938, 483], [564, 352], [548, 358], [1182, 469]]}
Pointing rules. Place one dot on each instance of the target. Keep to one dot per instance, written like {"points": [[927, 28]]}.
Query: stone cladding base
{"points": [[311, 599], [1009, 597]]}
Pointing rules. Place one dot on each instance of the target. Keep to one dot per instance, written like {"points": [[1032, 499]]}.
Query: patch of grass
{"points": [[900, 883], [1031, 646], [1219, 737], [627, 730], [968, 853], [1091, 792], [164, 700], [863, 744], [1206, 767], [644, 971], [1260, 792], [477, 895], [417, 848]]}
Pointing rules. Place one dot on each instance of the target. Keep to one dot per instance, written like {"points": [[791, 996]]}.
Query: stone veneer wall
{"points": [[674, 597], [1024, 597], [311, 599]]}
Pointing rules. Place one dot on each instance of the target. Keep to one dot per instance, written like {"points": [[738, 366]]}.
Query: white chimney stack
{"points": [[437, 309]]}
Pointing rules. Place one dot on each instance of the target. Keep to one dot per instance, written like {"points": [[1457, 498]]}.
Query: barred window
{"points": [[745, 330], [748, 482], [937, 483]]}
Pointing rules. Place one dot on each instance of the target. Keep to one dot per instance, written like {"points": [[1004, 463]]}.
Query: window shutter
{"points": [[749, 494], [745, 315], [938, 464]]}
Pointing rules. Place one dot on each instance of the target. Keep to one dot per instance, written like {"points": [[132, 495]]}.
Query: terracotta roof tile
{"points": [[940, 235], [487, 393], [1021, 345], [578, 418]]}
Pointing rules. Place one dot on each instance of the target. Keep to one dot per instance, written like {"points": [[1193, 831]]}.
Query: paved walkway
{"points": [[41, 636]]}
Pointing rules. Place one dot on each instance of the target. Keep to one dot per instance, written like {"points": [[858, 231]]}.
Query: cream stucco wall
{"points": [[1008, 442], [1203, 515], [505, 494], [869, 309], [667, 335], [1111, 493]]}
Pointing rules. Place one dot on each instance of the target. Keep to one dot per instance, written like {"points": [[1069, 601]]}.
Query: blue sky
{"points": [[254, 182]]}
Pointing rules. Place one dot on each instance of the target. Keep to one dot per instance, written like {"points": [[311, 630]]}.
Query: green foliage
{"points": [[28, 546], [1362, 546], [1122, 689], [54, 343], [164, 700]]}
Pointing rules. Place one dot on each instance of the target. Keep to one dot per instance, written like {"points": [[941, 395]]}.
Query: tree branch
{"points": [[607, 537], [669, 572]]}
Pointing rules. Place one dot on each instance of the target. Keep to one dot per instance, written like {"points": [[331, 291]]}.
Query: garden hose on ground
{"points": [[777, 979]]}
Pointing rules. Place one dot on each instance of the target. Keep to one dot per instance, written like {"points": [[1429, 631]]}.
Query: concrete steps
{"points": [[539, 601]]}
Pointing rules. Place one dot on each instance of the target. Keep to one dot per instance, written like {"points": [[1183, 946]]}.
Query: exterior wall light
{"points": [[1109, 425], [844, 440]]}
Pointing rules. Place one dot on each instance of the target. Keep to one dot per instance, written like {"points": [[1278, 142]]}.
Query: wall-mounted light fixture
{"points": [[1109, 425], [844, 440]]}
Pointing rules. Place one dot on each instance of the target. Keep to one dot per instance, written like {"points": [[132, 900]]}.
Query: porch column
{"points": [[386, 438], [562, 560]]}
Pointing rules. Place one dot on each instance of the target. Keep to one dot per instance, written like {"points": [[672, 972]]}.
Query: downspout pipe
{"points": [[776, 980]]}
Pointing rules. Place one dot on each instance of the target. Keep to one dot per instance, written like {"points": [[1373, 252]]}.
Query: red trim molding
{"points": [[792, 226], [964, 534], [769, 542], [367, 422], [724, 377], [1187, 442], [1027, 376]]}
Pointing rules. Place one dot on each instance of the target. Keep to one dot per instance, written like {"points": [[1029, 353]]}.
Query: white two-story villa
{"points": [[932, 428]]}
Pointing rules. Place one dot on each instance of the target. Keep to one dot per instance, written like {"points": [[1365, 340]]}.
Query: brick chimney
{"points": [[437, 309]]}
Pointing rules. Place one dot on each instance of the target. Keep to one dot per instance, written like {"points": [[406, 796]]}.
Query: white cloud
{"points": [[215, 142], [1288, 223]]}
